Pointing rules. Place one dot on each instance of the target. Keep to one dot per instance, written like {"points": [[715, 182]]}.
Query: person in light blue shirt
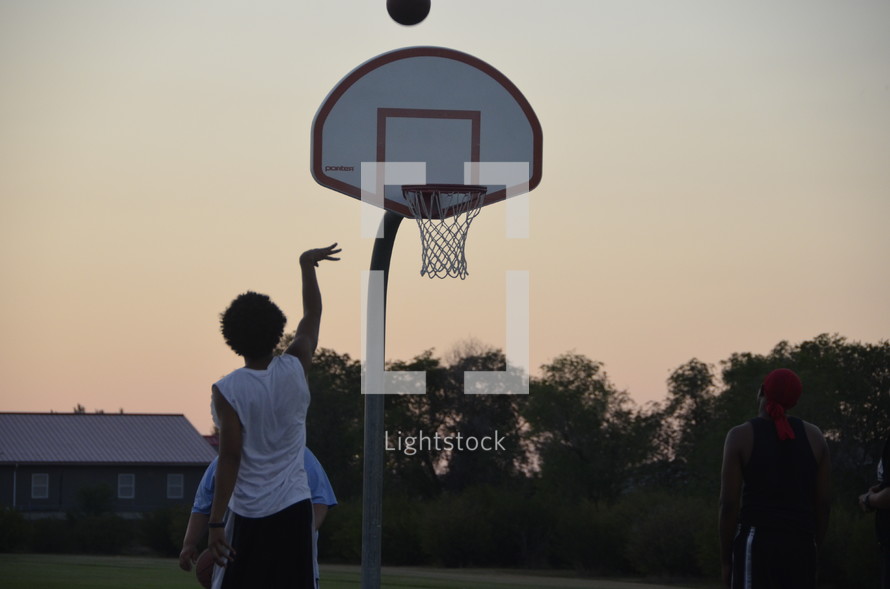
{"points": [[323, 498]]}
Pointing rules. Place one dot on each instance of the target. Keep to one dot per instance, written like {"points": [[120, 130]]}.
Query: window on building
{"points": [[174, 486], [126, 486], [39, 486]]}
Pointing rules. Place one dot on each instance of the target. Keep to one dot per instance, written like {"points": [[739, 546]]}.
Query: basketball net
{"points": [[443, 213]]}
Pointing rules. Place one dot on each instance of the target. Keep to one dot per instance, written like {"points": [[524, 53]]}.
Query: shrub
{"points": [[101, 534], [849, 557], [401, 543], [162, 530], [457, 529], [707, 538], [52, 535], [340, 538], [664, 540], [14, 530], [523, 528], [592, 538]]}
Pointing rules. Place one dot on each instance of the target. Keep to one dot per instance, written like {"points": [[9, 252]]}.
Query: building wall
{"points": [[6, 475], [65, 482]]}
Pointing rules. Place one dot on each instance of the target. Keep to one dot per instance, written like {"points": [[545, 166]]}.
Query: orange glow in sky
{"points": [[716, 180]]}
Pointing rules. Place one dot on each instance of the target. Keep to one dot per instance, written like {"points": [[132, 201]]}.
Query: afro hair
{"points": [[252, 325]]}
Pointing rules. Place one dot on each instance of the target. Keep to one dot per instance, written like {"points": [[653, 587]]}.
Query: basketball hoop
{"points": [[443, 213]]}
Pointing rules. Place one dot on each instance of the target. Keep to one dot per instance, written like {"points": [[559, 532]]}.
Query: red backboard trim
{"points": [[317, 135]]}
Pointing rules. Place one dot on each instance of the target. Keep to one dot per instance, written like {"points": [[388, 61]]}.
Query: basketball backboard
{"points": [[425, 115]]}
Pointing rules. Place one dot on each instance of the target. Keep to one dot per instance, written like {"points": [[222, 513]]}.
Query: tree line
{"points": [[587, 478]]}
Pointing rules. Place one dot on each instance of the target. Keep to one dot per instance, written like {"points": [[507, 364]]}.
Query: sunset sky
{"points": [[716, 179]]}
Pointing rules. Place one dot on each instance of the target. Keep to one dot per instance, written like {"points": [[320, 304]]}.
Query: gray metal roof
{"points": [[111, 438]]}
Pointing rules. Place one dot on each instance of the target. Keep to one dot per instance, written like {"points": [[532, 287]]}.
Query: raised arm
{"points": [[306, 338], [230, 438]]}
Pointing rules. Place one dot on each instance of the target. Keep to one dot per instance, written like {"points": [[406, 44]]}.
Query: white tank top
{"points": [[271, 405]]}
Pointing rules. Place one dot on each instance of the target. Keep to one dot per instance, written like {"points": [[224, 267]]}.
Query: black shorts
{"points": [[770, 557], [273, 552]]}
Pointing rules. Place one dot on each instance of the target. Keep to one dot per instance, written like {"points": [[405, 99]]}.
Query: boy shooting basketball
{"points": [[260, 410]]}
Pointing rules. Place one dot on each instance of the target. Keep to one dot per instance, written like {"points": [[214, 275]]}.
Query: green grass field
{"points": [[38, 571]]}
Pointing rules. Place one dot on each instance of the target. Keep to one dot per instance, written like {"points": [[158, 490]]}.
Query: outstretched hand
{"points": [[314, 256]]}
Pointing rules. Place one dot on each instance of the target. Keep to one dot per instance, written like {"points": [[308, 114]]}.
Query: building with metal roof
{"points": [[144, 462]]}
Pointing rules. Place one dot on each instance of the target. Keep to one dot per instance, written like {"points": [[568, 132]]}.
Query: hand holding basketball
{"points": [[408, 12], [204, 569], [314, 256], [220, 550]]}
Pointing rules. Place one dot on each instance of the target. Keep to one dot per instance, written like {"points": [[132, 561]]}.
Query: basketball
{"points": [[204, 569], [408, 12]]}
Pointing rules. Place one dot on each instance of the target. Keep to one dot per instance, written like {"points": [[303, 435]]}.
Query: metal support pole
{"points": [[372, 492]]}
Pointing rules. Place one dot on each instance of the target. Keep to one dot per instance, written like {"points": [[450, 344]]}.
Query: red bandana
{"points": [[782, 388]]}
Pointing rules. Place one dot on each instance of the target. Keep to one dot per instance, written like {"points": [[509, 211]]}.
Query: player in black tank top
{"points": [[780, 479], [774, 496]]}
